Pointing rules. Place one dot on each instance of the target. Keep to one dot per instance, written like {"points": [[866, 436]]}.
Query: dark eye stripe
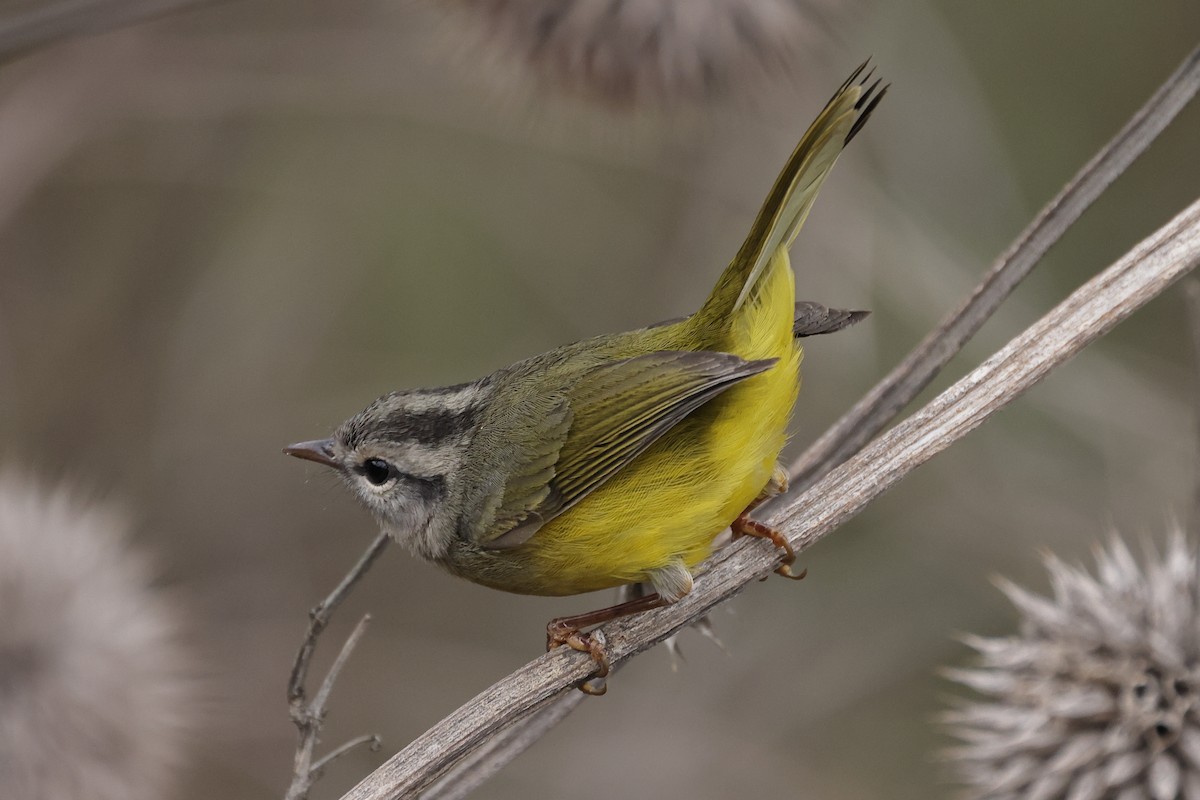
{"points": [[378, 472], [431, 488]]}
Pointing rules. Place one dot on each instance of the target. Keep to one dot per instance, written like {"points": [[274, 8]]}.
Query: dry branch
{"points": [[471, 772], [1084, 316], [310, 716], [319, 616]]}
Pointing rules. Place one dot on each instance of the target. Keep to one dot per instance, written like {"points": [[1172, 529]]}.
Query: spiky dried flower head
{"points": [[94, 690], [1097, 697], [629, 53]]}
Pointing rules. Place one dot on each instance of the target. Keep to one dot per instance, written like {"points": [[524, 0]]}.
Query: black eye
{"points": [[377, 471]]}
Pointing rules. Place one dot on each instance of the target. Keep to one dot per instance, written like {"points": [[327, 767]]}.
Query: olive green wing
{"points": [[616, 411], [516, 462]]}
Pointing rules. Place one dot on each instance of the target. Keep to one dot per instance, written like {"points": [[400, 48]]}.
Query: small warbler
{"points": [[617, 459]]}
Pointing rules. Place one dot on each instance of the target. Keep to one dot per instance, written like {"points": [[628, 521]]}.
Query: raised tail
{"points": [[792, 196]]}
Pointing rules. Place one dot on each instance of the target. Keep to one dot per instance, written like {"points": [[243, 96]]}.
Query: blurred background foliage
{"points": [[229, 228]]}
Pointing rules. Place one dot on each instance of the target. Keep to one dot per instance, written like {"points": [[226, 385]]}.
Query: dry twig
{"points": [[1084, 316], [473, 771], [309, 716]]}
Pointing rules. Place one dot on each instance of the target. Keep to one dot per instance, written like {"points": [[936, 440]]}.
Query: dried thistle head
{"points": [[94, 692], [1097, 696], [644, 52]]}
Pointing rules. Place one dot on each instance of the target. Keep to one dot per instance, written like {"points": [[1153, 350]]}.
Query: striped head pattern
{"points": [[400, 456]]}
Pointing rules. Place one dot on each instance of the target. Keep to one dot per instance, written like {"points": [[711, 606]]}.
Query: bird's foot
{"points": [[744, 526], [560, 632], [569, 631]]}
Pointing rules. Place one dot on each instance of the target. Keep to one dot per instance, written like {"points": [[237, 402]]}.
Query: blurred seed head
{"points": [[94, 689], [1097, 696], [643, 53]]}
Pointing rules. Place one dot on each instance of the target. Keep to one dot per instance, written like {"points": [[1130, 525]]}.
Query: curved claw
{"points": [[594, 687], [569, 631], [558, 634], [785, 571], [744, 526], [593, 645]]}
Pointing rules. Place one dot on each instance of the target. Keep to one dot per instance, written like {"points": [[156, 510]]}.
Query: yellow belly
{"points": [[675, 498]]}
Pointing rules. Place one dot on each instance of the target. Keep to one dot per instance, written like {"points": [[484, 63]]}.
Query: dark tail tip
{"points": [[813, 319], [867, 103]]}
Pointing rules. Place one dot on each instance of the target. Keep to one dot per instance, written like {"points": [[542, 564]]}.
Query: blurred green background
{"points": [[228, 229]]}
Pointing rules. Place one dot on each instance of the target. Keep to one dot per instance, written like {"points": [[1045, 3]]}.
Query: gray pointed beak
{"points": [[318, 450]]}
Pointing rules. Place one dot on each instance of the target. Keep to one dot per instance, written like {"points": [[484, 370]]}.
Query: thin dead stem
{"points": [[310, 716], [319, 616], [491, 757], [371, 740]]}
